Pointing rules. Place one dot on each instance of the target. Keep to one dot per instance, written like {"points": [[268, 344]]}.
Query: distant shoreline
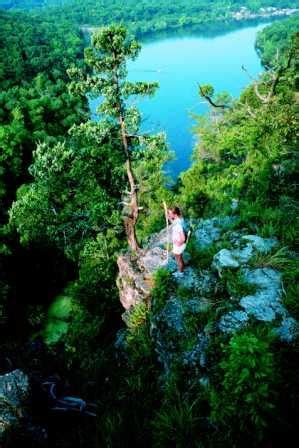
{"points": [[243, 17]]}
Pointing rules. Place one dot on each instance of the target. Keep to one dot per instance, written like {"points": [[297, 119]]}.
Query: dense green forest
{"points": [[29, 4], [278, 36], [147, 16], [65, 191]]}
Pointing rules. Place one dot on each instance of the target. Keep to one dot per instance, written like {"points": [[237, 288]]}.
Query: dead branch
{"points": [[275, 77]]}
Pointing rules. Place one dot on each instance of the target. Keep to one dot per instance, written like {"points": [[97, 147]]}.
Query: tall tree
{"points": [[106, 59]]}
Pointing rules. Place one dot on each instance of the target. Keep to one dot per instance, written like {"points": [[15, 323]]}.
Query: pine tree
{"points": [[106, 76]]}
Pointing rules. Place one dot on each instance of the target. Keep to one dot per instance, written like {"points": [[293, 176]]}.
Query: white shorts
{"points": [[177, 250]]}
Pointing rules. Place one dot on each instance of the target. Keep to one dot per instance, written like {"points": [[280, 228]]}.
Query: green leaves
{"points": [[246, 398], [139, 88], [69, 200], [206, 89], [248, 153], [163, 285], [276, 37], [120, 121], [113, 42]]}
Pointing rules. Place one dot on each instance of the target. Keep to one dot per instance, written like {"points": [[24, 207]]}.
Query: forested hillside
{"points": [[35, 106], [151, 16], [276, 37], [80, 198], [29, 4]]}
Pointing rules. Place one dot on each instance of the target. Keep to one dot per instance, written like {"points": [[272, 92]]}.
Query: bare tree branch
{"points": [[275, 77], [249, 110], [210, 101]]}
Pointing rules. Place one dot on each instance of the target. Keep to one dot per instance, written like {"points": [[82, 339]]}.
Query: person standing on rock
{"points": [[178, 236]]}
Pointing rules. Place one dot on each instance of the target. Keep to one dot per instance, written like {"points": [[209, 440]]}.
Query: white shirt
{"points": [[177, 228]]}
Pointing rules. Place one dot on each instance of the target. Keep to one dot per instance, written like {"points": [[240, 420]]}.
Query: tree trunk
{"points": [[131, 220]]}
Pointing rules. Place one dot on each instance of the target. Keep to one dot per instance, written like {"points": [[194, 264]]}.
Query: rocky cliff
{"points": [[237, 287]]}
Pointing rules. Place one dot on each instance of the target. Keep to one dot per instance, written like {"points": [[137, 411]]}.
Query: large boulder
{"points": [[233, 321], [177, 335], [240, 254], [261, 244], [207, 231], [135, 277], [264, 305], [224, 259]]}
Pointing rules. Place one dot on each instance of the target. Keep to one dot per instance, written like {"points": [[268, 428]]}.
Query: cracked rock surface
{"points": [[177, 337]]}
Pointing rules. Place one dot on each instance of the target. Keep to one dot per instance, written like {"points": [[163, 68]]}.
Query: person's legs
{"points": [[180, 262]]}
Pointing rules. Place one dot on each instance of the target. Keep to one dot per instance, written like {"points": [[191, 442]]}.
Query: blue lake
{"points": [[179, 64]]}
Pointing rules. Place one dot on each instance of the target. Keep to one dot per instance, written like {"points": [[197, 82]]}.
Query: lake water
{"points": [[179, 64]]}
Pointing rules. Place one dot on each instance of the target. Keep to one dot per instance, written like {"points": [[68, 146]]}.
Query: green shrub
{"points": [[137, 318], [235, 284], [291, 287], [163, 286], [243, 404], [280, 259], [178, 423], [139, 343], [201, 258]]}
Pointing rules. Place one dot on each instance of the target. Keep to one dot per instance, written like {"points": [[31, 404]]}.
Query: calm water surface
{"points": [[179, 64]]}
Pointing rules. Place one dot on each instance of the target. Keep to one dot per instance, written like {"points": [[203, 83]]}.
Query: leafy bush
{"points": [[243, 404], [179, 422], [163, 285]]}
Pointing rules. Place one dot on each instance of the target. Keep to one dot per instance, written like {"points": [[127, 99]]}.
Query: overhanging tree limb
{"points": [[208, 98]]}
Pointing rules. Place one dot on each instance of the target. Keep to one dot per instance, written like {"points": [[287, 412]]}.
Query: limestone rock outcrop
{"points": [[181, 330], [135, 278]]}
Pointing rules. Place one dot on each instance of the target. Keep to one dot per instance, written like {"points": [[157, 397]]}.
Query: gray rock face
{"points": [[135, 278], [171, 327], [161, 238], [172, 316], [233, 321], [201, 283], [259, 306], [234, 258], [244, 254], [14, 391], [288, 329], [224, 259], [265, 304], [196, 356], [172, 334], [167, 329], [261, 244], [207, 231], [155, 258]]}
